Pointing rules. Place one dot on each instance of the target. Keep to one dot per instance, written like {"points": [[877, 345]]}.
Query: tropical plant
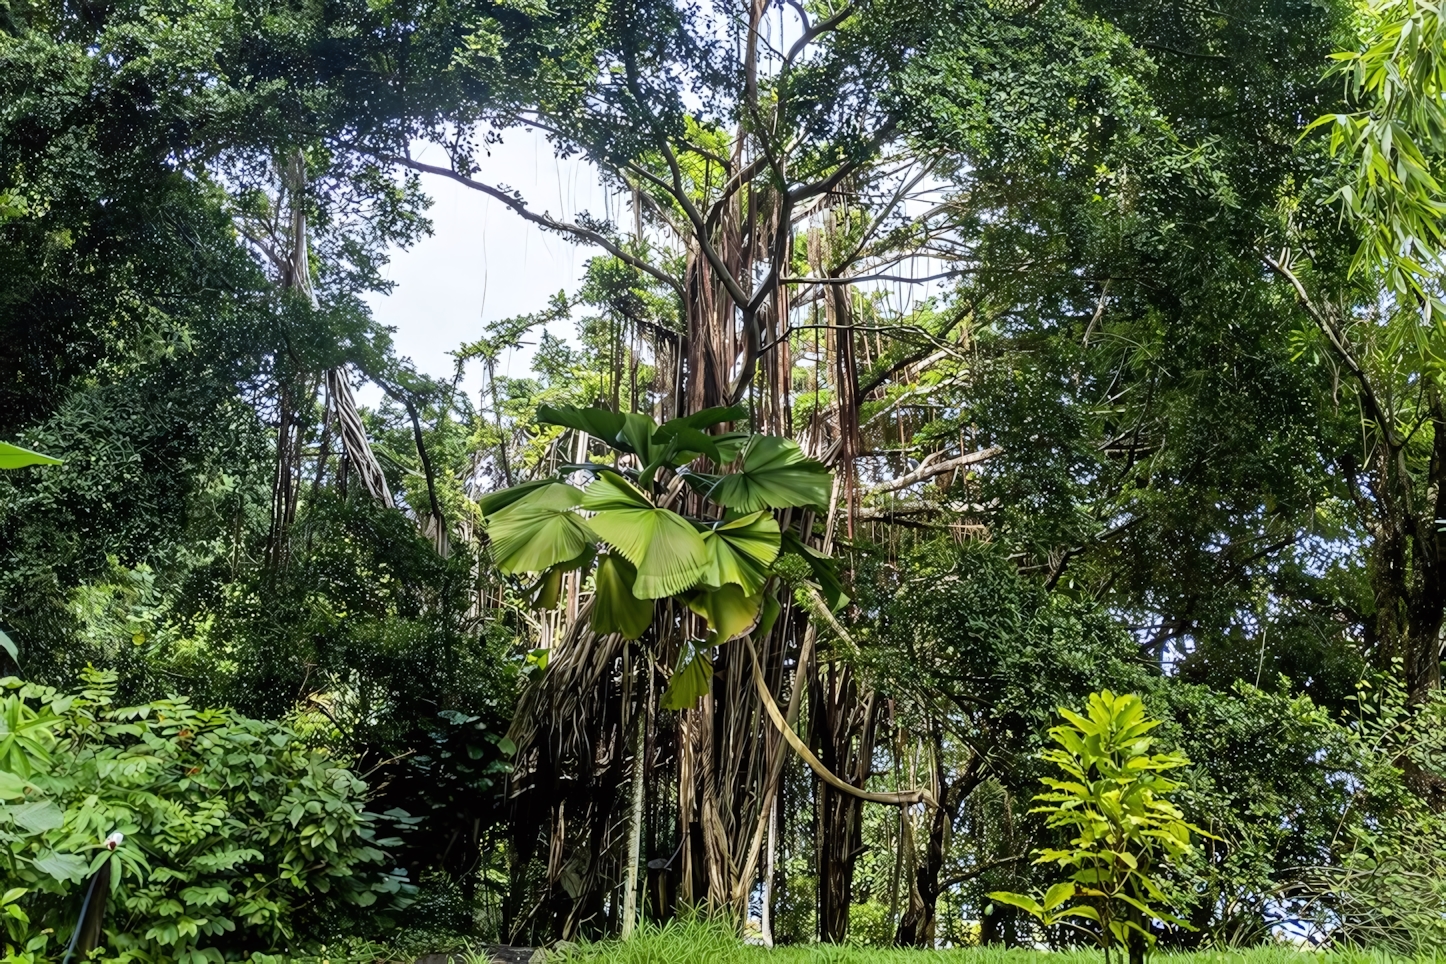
{"points": [[1393, 142], [622, 531], [236, 836], [1124, 829], [15, 457]]}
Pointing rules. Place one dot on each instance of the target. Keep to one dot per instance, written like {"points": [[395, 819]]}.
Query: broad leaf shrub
{"points": [[1122, 829], [238, 837]]}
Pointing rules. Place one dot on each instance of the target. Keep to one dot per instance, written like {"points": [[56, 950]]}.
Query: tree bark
{"points": [[635, 828], [918, 925], [849, 721]]}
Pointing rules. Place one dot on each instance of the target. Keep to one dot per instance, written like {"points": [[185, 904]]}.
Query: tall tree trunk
{"points": [[1424, 612], [848, 721], [1401, 505], [765, 913], [635, 820], [291, 393], [918, 925], [354, 437]]}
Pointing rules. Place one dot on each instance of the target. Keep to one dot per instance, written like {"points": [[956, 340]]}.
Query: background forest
{"points": [[950, 362]]}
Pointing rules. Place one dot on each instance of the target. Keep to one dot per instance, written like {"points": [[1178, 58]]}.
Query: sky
{"points": [[483, 263]]}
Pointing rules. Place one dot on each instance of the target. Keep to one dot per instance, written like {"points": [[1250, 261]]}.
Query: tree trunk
{"points": [[848, 728], [635, 827], [765, 913], [91, 925], [1408, 573], [917, 926], [1424, 611]]}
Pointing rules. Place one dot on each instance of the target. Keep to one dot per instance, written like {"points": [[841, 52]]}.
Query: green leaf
{"points": [[690, 680], [1021, 901], [614, 607], [1083, 910], [823, 569], [539, 531], [62, 867], [611, 491], [1139, 905], [707, 418], [602, 423], [636, 435], [8, 644], [668, 552], [15, 457], [686, 444], [502, 498], [37, 816], [627, 432], [12, 785], [688, 439], [731, 445], [769, 616], [740, 551], [549, 589], [775, 474], [1058, 894], [730, 612]]}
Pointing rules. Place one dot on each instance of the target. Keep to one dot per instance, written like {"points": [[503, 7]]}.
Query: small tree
{"points": [[1124, 830]]}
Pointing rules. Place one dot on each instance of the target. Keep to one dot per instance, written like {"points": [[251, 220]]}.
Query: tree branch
{"points": [[811, 31], [1375, 410], [902, 798], [929, 471], [860, 279], [520, 208]]}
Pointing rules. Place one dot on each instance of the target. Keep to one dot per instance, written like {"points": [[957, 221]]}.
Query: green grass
{"points": [[702, 942], [687, 943]]}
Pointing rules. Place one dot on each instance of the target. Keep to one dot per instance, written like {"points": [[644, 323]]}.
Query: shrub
{"points": [[1122, 829], [1384, 888], [237, 836]]}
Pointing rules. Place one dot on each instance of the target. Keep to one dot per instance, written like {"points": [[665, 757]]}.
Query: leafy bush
{"points": [[1122, 828], [237, 836], [1384, 888], [1273, 779]]}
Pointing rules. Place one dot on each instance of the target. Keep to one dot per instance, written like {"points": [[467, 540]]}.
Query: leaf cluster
{"points": [[236, 835], [1114, 805], [719, 562]]}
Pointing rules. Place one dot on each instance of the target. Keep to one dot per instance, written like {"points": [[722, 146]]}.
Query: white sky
{"points": [[483, 262]]}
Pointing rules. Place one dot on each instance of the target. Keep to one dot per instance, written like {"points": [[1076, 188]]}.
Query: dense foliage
{"points": [[960, 360], [233, 834]]}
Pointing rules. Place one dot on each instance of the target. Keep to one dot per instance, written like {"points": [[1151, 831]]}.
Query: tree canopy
{"points": [[941, 365]]}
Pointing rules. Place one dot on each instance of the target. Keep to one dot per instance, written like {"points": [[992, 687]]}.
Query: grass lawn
{"points": [[684, 944], [703, 943]]}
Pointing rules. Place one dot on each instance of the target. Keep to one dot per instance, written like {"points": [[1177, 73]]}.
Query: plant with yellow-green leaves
{"points": [[1123, 829]]}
